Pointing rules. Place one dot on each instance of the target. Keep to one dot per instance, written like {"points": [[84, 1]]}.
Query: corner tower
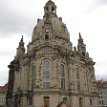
{"points": [[51, 70]]}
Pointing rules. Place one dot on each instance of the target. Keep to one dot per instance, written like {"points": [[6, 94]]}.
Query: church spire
{"points": [[80, 40], [50, 9], [20, 49], [81, 46], [21, 43]]}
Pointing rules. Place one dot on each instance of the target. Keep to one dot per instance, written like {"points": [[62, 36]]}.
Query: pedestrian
{"points": [[62, 104]]}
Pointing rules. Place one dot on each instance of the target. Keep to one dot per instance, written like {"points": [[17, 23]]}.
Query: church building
{"points": [[51, 70]]}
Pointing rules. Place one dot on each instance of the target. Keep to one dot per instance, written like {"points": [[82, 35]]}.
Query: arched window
{"points": [[33, 75], [77, 77], [77, 73], [46, 49], [83, 53], [62, 77], [78, 84], [46, 74], [46, 37], [53, 9], [47, 8], [62, 70]]}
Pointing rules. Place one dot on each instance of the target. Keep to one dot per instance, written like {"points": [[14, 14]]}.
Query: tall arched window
{"points": [[77, 69], [33, 75], [77, 73], [46, 74], [62, 77], [62, 70]]}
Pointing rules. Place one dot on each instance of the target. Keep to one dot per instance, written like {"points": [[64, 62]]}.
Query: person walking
{"points": [[62, 104]]}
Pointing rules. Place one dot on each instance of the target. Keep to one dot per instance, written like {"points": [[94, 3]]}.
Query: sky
{"points": [[89, 17]]}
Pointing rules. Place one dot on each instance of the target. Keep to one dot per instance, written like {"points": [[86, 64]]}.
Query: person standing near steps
{"points": [[62, 104]]}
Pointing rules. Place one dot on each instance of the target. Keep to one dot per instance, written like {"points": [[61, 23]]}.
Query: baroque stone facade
{"points": [[52, 69]]}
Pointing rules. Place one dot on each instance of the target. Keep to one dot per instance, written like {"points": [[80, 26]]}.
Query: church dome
{"points": [[58, 29], [50, 24]]}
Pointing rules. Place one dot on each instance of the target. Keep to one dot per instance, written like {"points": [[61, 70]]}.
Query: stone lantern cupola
{"points": [[50, 9]]}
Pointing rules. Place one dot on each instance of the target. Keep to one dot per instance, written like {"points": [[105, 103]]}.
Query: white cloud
{"points": [[86, 16]]}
